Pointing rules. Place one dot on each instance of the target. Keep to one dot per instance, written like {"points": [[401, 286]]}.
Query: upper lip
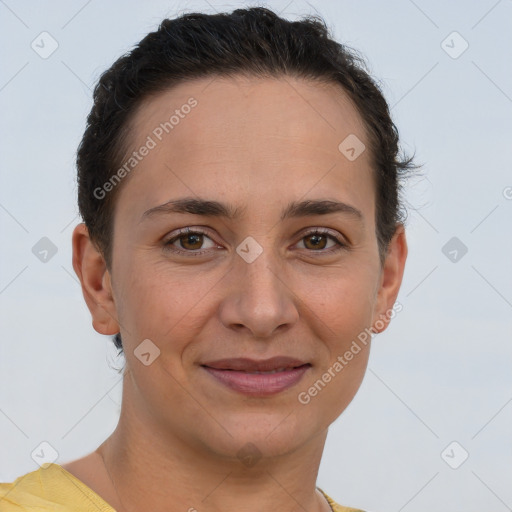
{"points": [[263, 365]]}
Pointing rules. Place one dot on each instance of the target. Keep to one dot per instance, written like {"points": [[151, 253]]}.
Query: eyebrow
{"points": [[294, 209]]}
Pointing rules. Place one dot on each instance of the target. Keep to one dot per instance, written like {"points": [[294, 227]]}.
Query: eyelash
{"points": [[188, 231]]}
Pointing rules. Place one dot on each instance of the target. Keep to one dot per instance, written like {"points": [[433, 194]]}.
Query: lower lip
{"points": [[258, 384]]}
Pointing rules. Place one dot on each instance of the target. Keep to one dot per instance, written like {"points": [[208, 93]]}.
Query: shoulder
{"points": [[336, 507], [22, 492], [50, 488]]}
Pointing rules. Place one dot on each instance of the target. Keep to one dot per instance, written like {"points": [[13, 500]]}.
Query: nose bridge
{"points": [[259, 299], [258, 268]]}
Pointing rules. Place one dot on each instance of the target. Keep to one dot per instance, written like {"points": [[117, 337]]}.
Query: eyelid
{"points": [[325, 231]]}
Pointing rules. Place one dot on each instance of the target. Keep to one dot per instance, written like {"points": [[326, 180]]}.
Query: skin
{"points": [[257, 144]]}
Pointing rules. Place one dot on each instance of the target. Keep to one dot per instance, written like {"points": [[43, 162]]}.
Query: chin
{"points": [[266, 435]]}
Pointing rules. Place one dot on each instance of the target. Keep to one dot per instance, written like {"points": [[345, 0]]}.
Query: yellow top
{"points": [[52, 488]]}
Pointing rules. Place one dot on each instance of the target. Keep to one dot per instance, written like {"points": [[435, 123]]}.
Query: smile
{"points": [[259, 383]]}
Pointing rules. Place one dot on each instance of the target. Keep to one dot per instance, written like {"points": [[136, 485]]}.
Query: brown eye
{"points": [[190, 241], [317, 241]]}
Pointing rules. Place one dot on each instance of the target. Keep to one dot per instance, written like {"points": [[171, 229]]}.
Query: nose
{"points": [[259, 299]]}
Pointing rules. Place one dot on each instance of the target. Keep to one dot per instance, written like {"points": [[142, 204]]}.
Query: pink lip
{"points": [[259, 384], [254, 365]]}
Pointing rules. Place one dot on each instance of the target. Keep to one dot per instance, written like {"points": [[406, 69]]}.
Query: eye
{"points": [[190, 241], [316, 241]]}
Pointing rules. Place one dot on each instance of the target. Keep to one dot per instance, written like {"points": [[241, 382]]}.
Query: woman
{"points": [[243, 238]]}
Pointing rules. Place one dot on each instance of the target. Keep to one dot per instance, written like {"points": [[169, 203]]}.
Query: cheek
{"points": [[340, 317], [162, 304], [340, 305]]}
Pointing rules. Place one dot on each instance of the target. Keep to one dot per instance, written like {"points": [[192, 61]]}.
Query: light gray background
{"points": [[440, 373]]}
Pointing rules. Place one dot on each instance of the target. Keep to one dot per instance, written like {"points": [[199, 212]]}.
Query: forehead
{"points": [[240, 105], [247, 136]]}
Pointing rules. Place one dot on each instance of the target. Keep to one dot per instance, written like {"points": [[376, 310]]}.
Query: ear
{"points": [[91, 269], [390, 280]]}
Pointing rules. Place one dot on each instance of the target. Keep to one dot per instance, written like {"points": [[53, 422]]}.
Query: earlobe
{"points": [[91, 269], [390, 280]]}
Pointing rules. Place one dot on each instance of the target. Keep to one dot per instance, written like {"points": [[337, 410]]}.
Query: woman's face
{"points": [[259, 285]]}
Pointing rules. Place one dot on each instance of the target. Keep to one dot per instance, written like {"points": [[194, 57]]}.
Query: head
{"points": [[280, 156]]}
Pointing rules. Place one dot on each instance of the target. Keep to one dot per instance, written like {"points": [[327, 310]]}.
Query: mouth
{"points": [[257, 378]]}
